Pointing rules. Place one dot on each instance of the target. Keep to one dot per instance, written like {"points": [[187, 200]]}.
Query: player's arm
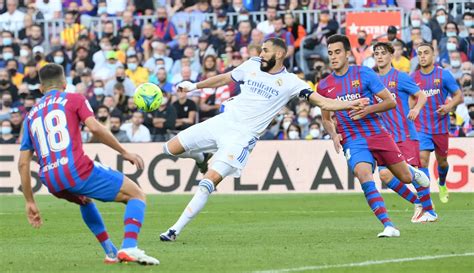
{"points": [[32, 210], [420, 98], [388, 102], [105, 136], [457, 98], [328, 125], [332, 105], [212, 82]]}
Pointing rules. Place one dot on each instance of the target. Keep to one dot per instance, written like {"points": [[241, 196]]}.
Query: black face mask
{"points": [[37, 58], [270, 64], [7, 103], [467, 83], [361, 41], [12, 71], [120, 79], [28, 108], [162, 19], [115, 130], [4, 82], [471, 114], [102, 119], [106, 34]]}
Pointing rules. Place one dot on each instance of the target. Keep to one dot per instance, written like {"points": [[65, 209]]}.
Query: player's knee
{"points": [[363, 175], [406, 178], [166, 150], [385, 176]]}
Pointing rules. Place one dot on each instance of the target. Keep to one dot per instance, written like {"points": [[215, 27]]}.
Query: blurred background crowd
{"points": [[108, 48]]}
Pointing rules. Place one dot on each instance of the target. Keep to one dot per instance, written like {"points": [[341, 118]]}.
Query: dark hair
{"points": [[116, 116], [386, 46], [278, 42], [455, 26], [426, 44], [103, 107], [51, 74], [338, 38], [467, 13]]}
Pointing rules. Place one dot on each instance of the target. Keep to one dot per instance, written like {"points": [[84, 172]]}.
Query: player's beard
{"points": [[270, 64]]}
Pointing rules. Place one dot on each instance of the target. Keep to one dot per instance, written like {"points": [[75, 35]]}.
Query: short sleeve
{"points": [[26, 142], [299, 85], [449, 83], [406, 84], [371, 80], [84, 109], [238, 74]]}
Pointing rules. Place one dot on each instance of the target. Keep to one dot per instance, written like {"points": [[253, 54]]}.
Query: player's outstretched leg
{"points": [[197, 203], [407, 174], [394, 184], [175, 148], [443, 168], [134, 197], [93, 220], [363, 171], [429, 214]]}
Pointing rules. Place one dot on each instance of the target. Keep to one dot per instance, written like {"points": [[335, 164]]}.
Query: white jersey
{"points": [[262, 96]]}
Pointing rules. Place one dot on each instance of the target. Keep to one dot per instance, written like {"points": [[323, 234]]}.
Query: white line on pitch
{"points": [[366, 263]]}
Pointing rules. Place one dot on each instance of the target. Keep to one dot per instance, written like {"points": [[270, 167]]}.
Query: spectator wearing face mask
{"points": [[362, 51], [293, 132], [452, 32], [135, 72], [6, 136], [284, 125], [315, 131], [98, 96], [16, 117], [452, 45], [455, 130], [115, 124], [165, 30], [120, 77], [5, 110], [16, 77], [303, 121]]}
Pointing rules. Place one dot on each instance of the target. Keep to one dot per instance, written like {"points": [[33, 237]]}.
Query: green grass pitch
{"points": [[246, 233]]}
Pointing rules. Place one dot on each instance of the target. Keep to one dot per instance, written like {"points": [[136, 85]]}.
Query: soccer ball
{"points": [[148, 97]]}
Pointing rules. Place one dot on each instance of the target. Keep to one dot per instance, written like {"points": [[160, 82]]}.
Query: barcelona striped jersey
{"points": [[52, 130]]}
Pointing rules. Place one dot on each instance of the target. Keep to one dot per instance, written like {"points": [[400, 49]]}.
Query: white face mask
{"points": [[7, 56], [463, 34], [24, 53], [441, 19], [468, 23], [425, 20], [314, 133], [293, 135], [164, 101], [6, 130], [451, 47], [58, 59], [99, 91], [303, 120], [456, 63], [286, 124], [416, 23], [132, 66]]}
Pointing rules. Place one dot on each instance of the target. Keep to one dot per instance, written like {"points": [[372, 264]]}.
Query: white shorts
{"points": [[216, 135]]}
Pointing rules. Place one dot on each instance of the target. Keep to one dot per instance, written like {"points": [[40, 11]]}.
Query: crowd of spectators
{"points": [[107, 64]]}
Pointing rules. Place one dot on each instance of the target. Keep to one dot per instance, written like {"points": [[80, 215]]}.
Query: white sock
{"points": [[206, 187]]}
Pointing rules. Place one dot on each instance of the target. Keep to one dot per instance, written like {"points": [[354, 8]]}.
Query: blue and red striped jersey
{"points": [[437, 85], [358, 82], [396, 121], [52, 130]]}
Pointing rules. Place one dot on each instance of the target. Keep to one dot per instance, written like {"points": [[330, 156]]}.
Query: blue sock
{"points": [[376, 203], [442, 175], [403, 190], [424, 197], [133, 219], [92, 218]]}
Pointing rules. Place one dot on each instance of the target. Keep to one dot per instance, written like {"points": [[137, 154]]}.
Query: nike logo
{"points": [[410, 159], [399, 155], [330, 90]]}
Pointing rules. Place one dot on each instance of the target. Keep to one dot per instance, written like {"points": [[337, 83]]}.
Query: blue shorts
{"points": [[356, 152], [437, 142], [103, 184]]}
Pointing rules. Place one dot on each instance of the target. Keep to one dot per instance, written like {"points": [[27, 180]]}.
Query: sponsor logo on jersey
{"points": [[349, 97], [355, 83], [59, 162], [431, 92], [261, 89]]}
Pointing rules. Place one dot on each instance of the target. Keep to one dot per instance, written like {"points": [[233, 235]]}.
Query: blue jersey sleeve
{"points": [[371, 80], [449, 83], [26, 142], [406, 84]]}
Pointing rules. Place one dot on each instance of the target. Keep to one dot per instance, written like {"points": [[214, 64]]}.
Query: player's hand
{"points": [[358, 114], [413, 114], [186, 86], [134, 159], [443, 110], [33, 214], [359, 104], [337, 142]]}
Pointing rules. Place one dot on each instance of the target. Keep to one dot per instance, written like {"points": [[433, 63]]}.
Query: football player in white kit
{"points": [[266, 87]]}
